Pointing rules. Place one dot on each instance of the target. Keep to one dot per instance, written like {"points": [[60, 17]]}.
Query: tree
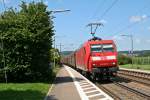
{"points": [[124, 59], [55, 55], [27, 36]]}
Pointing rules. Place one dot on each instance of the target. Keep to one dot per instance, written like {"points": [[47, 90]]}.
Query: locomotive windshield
{"points": [[102, 48], [96, 48], [108, 48]]}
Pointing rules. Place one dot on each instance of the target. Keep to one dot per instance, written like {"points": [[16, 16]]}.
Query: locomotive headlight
{"points": [[94, 64], [111, 57], [96, 58], [113, 63]]}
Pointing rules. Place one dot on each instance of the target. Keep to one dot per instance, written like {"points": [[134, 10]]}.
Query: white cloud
{"points": [[138, 18], [103, 21], [99, 21], [135, 18], [116, 37], [144, 16]]}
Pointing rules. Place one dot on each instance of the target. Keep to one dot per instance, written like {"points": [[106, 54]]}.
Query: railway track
{"points": [[136, 91], [139, 74], [124, 91], [116, 97], [128, 86], [140, 77]]}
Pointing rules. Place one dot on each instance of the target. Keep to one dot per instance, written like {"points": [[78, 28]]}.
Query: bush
{"points": [[27, 37], [124, 59]]}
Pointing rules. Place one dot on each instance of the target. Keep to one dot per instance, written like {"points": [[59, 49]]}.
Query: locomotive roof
{"points": [[96, 40], [99, 41]]}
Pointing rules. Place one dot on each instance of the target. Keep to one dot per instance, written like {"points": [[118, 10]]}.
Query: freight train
{"points": [[96, 58]]}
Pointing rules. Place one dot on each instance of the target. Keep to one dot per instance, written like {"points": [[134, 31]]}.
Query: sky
{"points": [[119, 17]]}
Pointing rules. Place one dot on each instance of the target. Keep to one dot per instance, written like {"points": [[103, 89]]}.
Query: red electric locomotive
{"points": [[96, 58]]}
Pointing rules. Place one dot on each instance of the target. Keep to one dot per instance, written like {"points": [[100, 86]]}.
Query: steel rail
{"points": [[134, 78], [132, 90], [113, 95]]}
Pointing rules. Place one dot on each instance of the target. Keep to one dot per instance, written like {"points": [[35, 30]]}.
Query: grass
{"points": [[25, 91], [136, 66]]}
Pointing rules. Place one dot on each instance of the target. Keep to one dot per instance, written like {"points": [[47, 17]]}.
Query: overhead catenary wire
{"points": [[105, 12], [132, 24], [98, 8], [128, 26], [108, 9]]}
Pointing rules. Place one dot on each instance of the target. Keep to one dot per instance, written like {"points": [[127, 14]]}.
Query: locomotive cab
{"points": [[103, 57]]}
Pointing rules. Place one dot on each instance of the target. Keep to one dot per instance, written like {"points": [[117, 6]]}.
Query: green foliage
{"points": [[55, 55], [27, 37], [146, 53], [141, 60], [124, 59]]}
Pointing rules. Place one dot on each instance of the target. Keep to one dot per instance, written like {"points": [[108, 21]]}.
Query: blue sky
{"points": [[124, 17]]}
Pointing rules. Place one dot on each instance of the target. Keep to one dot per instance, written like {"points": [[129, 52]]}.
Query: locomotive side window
{"points": [[108, 48], [96, 48]]}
